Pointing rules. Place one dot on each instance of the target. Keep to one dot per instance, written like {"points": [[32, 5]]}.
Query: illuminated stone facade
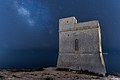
{"points": [[80, 46]]}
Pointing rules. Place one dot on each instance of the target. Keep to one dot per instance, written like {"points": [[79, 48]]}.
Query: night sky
{"points": [[29, 30]]}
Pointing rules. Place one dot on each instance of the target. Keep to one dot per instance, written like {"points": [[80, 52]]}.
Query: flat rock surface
{"points": [[50, 74]]}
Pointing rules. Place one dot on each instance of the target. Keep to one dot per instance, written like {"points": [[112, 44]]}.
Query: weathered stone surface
{"points": [[52, 74], [88, 55]]}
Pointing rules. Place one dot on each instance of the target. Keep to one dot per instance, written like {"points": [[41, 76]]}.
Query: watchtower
{"points": [[80, 46]]}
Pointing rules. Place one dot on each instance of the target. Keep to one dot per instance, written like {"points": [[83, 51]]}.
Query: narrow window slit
{"points": [[76, 45]]}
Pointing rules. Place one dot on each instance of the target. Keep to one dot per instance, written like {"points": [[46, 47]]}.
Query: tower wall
{"points": [[88, 55]]}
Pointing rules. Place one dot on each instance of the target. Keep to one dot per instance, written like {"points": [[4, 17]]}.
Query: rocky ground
{"points": [[50, 74]]}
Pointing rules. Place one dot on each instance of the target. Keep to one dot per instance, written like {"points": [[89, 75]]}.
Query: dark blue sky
{"points": [[33, 24]]}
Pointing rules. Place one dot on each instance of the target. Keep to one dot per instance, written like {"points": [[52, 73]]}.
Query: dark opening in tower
{"points": [[76, 45]]}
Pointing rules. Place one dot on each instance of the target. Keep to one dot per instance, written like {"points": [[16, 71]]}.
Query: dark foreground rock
{"points": [[50, 74]]}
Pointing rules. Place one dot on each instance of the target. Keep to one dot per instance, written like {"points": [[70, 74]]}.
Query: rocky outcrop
{"points": [[51, 74]]}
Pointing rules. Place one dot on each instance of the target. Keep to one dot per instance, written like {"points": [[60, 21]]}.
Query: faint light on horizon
{"points": [[105, 53]]}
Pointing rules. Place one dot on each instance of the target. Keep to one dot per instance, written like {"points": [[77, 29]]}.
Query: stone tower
{"points": [[80, 46]]}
